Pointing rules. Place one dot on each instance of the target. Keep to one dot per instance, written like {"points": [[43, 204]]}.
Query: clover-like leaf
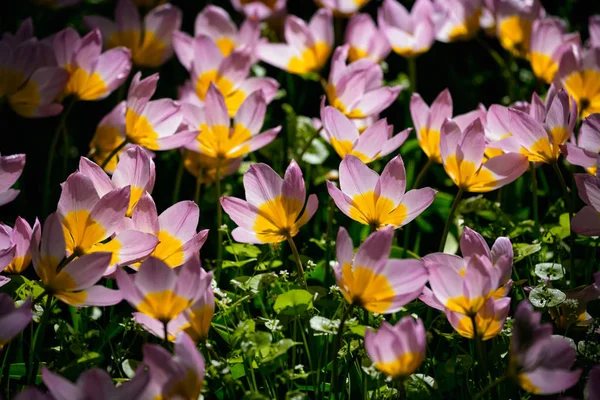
{"points": [[542, 297]]}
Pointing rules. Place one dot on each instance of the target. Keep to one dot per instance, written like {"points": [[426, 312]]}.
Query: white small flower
{"points": [[333, 289]]}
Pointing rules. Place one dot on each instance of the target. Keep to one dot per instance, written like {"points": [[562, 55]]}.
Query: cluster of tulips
{"points": [[106, 241]]}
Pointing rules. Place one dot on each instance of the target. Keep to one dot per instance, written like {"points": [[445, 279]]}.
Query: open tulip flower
{"points": [[374, 142], [308, 45], [135, 169], [489, 320], [217, 139], [540, 362], [397, 350], [428, 122], [73, 282], [31, 79], [195, 321], [204, 60], [149, 40], [579, 74], [215, 23], [12, 319], [457, 19], [409, 34], [549, 41], [92, 75], [463, 159], [514, 22], [204, 168], [370, 279], [342, 8], [178, 376], [357, 89], [585, 153], [88, 220], [587, 221], [378, 201], [8, 249], [20, 237], [161, 292], [175, 229], [271, 212], [11, 168], [153, 124], [109, 135], [259, 9], [543, 131], [96, 381], [365, 39]]}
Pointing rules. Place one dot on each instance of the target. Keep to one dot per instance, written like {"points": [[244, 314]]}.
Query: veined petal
{"points": [[374, 252]]}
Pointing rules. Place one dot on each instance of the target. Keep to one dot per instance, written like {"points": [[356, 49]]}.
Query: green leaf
{"points": [[243, 250], [237, 370], [241, 263], [358, 330], [255, 283], [244, 328], [549, 271], [294, 302], [523, 250], [542, 296], [278, 349], [323, 325], [316, 154]]}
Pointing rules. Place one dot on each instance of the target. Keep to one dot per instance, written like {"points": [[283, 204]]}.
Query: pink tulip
{"points": [[409, 34], [549, 41], [217, 139], [215, 23], [134, 169], [370, 279], [20, 236], [462, 154], [175, 229], [374, 142], [579, 74], [397, 350], [8, 248], [92, 75], [342, 8], [32, 78], [95, 381], [149, 40], [88, 220], [357, 89], [378, 201], [540, 362], [178, 376], [365, 39], [155, 124], [428, 121], [456, 19], [74, 282], [514, 22], [204, 60], [585, 153], [308, 45], [259, 9], [587, 221], [12, 320], [271, 212], [489, 320], [11, 168], [161, 292]]}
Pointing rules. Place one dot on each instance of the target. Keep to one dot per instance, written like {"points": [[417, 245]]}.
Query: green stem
{"points": [[455, 204], [219, 216], [197, 191], [536, 213], [113, 153], [479, 348], [400, 388], [566, 194], [422, 173], [310, 140], [490, 386], [337, 341], [179, 178], [301, 277], [166, 334], [412, 72], [34, 358]]}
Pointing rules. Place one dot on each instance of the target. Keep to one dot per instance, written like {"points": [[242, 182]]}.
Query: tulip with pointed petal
{"points": [[370, 279], [579, 74], [587, 221], [12, 319], [456, 19], [20, 236], [342, 8], [366, 40], [397, 350], [259, 9], [514, 21], [409, 34], [11, 168], [149, 40], [585, 152]]}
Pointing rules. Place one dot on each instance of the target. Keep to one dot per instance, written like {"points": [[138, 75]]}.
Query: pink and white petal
{"points": [[193, 115], [338, 126], [7, 254], [65, 43], [188, 355], [152, 325], [110, 210], [356, 179], [374, 252], [183, 44], [428, 298], [392, 183], [164, 115], [134, 246], [526, 128], [441, 109], [128, 287], [276, 54], [549, 381], [251, 113], [214, 22], [579, 156], [297, 34], [85, 271], [154, 276], [52, 242], [505, 169], [321, 27], [242, 235], [90, 48], [99, 179], [114, 67], [472, 243], [262, 184], [21, 237], [77, 193], [311, 208], [408, 278], [472, 144], [4, 280], [256, 142], [127, 17], [192, 247], [60, 388], [240, 211], [8, 196], [444, 276], [145, 216], [396, 141], [344, 249], [11, 168], [586, 222], [140, 92], [215, 108], [106, 26], [135, 168], [416, 201], [373, 140], [341, 200], [589, 138], [450, 136], [419, 112], [177, 140], [293, 183], [162, 21], [268, 86], [101, 296], [466, 119], [478, 278], [206, 56], [375, 101], [48, 83], [236, 66], [189, 284], [180, 220]]}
